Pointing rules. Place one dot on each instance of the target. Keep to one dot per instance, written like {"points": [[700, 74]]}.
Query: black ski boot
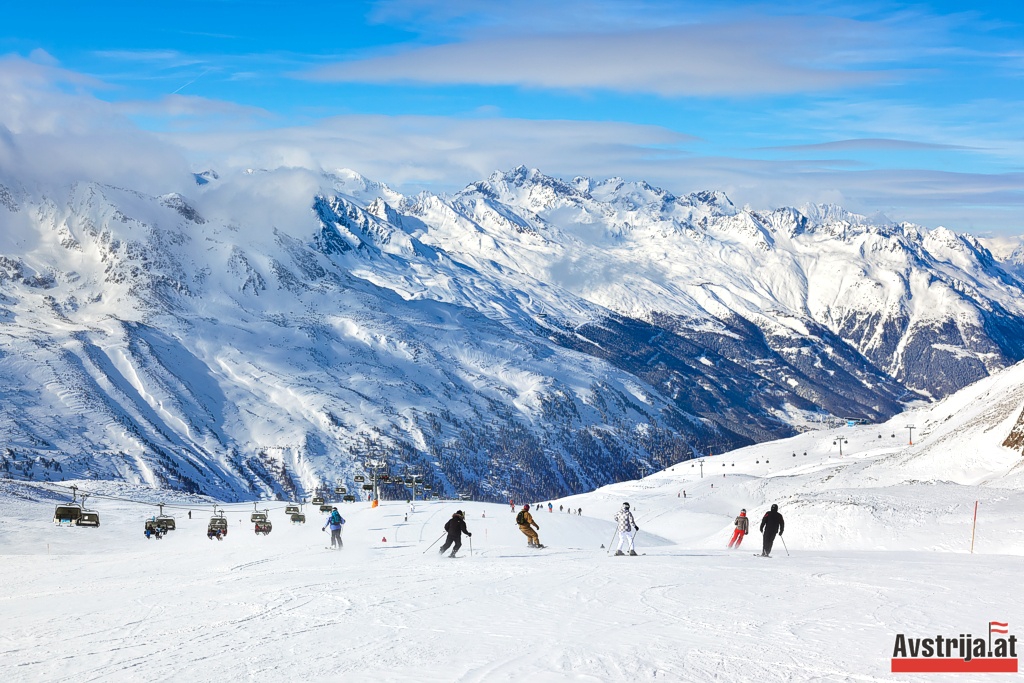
{"points": [[632, 553], [619, 552]]}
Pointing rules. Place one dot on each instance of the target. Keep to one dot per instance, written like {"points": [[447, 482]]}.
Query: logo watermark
{"points": [[964, 653]]}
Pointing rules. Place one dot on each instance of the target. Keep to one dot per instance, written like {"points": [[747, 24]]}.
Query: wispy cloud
{"points": [[773, 56], [868, 145]]}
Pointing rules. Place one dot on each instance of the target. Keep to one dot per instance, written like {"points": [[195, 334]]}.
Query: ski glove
{"points": [[469, 534]]}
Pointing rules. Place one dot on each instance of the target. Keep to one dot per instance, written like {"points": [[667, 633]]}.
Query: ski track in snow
{"points": [[107, 604]]}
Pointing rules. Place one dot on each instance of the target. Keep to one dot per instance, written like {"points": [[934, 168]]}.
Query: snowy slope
{"points": [[881, 494], [528, 336]]}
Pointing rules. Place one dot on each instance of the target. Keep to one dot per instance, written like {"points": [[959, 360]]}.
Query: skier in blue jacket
{"points": [[335, 521]]}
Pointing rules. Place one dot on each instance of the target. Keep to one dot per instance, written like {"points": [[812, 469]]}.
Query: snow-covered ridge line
{"points": [[528, 335]]}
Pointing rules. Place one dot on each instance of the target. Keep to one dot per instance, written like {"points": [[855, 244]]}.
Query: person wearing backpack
{"points": [[742, 529], [526, 524], [627, 527], [456, 526], [335, 521]]}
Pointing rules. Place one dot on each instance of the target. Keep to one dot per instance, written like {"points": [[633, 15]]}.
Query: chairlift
{"points": [[298, 518], [292, 510], [88, 517], [318, 500], [68, 514], [264, 527], [409, 481], [326, 506], [218, 525], [340, 490], [427, 487], [359, 478], [153, 528], [367, 487], [349, 498], [385, 477], [165, 522]]}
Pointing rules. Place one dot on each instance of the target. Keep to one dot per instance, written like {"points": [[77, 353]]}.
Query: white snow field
{"points": [[877, 543]]}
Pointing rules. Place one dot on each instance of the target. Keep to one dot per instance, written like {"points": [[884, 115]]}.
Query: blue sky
{"points": [[913, 110]]}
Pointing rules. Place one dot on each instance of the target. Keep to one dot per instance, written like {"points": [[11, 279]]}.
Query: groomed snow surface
{"points": [[878, 543]]}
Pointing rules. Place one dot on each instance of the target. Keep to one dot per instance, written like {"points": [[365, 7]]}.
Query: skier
{"points": [[627, 527], [550, 507], [771, 524], [456, 526], [526, 524], [335, 521], [742, 529], [190, 514]]}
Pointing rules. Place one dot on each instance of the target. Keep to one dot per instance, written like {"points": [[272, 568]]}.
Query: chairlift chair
{"points": [[67, 514], [264, 527], [218, 523], [298, 518], [154, 528], [88, 518], [165, 522], [318, 500], [326, 506], [339, 490], [292, 510], [359, 478], [258, 517], [349, 498], [367, 487]]}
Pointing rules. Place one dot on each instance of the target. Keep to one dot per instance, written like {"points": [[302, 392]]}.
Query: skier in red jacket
{"points": [[742, 529]]}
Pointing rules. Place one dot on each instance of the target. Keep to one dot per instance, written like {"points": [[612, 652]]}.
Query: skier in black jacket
{"points": [[456, 526], [771, 524]]}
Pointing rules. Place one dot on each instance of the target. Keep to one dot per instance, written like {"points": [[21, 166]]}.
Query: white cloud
{"points": [[771, 56], [53, 131]]}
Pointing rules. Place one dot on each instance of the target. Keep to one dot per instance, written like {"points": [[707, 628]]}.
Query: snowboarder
{"points": [[456, 526], [526, 524], [627, 527], [742, 529], [335, 521], [771, 524]]}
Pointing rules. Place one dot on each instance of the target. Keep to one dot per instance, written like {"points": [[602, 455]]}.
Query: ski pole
{"points": [[784, 544], [471, 546], [611, 541], [432, 544]]}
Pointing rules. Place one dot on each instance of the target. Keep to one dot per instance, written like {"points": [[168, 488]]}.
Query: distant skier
{"points": [[526, 524], [627, 528], [742, 529], [335, 521], [456, 526], [190, 514], [551, 507], [771, 524]]}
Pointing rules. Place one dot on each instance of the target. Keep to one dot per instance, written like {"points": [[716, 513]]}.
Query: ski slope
{"points": [[107, 604], [877, 543]]}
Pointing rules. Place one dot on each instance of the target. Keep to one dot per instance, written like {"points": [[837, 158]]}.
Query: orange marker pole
{"points": [[974, 525]]}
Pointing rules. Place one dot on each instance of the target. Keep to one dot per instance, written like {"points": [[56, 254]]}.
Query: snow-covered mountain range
{"points": [[527, 336]]}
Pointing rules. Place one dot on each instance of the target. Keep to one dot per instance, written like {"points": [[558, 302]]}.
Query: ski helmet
{"points": [[743, 511], [334, 509], [625, 505], [775, 508], [526, 507]]}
